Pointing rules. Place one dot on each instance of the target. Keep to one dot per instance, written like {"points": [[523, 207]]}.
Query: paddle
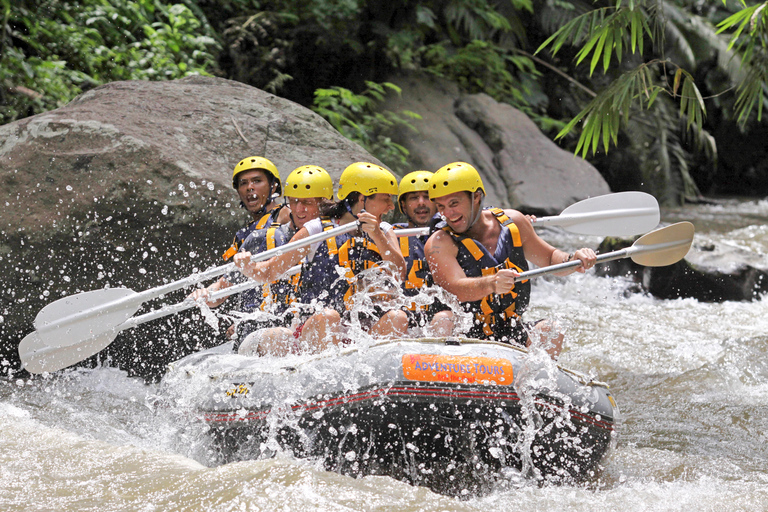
{"points": [[89, 314], [658, 248], [619, 214], [38, 356]]}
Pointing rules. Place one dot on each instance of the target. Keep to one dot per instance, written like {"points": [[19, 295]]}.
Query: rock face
{"points": [[710, 273], [130, 184], [521, 168]]}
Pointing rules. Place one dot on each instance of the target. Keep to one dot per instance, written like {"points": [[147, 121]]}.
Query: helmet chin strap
{"points": [[474, 216], [349, 208]]}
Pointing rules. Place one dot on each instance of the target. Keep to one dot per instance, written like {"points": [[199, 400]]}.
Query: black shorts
{"points": [[513, 331], [421, 317]]}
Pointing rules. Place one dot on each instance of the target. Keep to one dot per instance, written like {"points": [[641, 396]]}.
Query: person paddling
{"points": [[479, 252], [413, 201], [307, 188], [365, 195], [257, 182]]}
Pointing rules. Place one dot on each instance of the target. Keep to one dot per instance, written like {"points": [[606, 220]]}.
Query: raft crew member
{"points": [[307, 188], [413, 201], [257, 182], [461, 262], [365, 194]]}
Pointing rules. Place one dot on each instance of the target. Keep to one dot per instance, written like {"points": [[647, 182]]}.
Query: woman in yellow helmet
{"points": [[365, 194]]}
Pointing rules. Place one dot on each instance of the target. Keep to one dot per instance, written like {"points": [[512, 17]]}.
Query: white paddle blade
{"points": [[664, 246], [39, 357], [619, 214], [67, 321]]}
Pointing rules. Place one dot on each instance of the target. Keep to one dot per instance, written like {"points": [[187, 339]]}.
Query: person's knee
{"points": [[273, 341], [397, 320], [331, 316], [442, 323]]}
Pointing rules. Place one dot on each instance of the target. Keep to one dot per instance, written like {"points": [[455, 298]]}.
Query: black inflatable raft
{"points": [[456, 415]]}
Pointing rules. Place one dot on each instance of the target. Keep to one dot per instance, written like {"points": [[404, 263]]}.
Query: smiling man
{"points": [[257, 182], [479, 252], [413, 200]]}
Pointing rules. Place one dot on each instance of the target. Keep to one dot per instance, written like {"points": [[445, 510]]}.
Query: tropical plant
{"points": [[749, 40], [357, 118], [648, 50], [52, 50]]}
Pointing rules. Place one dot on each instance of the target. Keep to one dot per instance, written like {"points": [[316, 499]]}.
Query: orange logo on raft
{"points": [[458, 369]]}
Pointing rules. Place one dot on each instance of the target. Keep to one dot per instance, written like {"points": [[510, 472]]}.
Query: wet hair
{"points": [[336, 210]]}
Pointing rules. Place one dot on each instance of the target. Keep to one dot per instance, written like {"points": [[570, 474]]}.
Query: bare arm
{"points": [[542, 254], [387, 243], [221, 284], [269, 270], [441, 252]]}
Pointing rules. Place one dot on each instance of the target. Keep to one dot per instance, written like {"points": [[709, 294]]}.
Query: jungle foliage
{"points": [[52, 50], [642, 88]]}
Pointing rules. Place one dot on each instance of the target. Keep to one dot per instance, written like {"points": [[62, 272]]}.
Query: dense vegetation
{"points": [[678, 105]]}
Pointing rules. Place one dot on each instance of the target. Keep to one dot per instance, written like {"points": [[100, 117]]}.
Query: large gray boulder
{"points": [[709, 273], [521, 168], [130, 184]]}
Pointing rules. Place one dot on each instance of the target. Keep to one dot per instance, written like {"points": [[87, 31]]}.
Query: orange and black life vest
{"points": [[416, 268], [319, 280], [278, 291], [264, 222], [494, 313]]}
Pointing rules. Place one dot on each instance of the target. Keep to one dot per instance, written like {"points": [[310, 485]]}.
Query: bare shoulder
{"points": [[522, 222], [439, 243], [517, 217]]}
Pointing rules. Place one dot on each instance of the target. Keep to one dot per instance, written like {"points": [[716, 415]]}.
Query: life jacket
{"points": [[319, 280], [278, 291], [356, 254], [264, 221], [494, 311], [417, 270]]}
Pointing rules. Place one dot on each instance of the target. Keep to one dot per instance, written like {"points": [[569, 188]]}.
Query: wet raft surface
{"points": [[451, 417]]}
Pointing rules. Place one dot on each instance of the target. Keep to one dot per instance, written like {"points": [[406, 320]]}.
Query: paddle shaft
{"points": [[572, 219], [639, 211], [190, 303], [564, 221], [139, 297], [602, 258]]}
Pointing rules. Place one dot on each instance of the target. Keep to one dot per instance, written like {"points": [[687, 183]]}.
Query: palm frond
{"points": [[749, 38], [603, 32], [633, 90]]}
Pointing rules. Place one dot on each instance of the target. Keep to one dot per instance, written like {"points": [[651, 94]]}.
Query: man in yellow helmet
{"points": [[257, 182], [479, 252], [414, 203]]}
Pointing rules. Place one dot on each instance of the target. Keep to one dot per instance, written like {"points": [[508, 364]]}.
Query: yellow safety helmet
{"points": [[309, 181], [368, 179], [258, 163], [455, 177], [416, 181]]}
